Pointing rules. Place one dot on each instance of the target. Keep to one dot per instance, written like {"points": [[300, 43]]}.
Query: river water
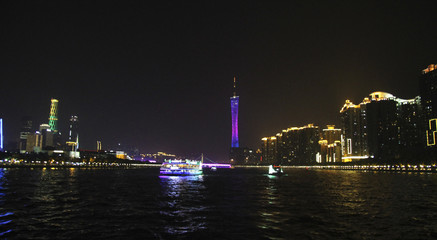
{"points": [[240, 203]]}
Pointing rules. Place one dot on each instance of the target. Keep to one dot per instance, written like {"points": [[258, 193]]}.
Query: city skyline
{"points": [[159, 78]]}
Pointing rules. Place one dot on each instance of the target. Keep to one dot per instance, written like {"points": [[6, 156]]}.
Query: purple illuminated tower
{"points": [[234, 112]]}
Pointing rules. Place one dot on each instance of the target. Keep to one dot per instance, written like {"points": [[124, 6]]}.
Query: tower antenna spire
{"points": [[235, 86]]}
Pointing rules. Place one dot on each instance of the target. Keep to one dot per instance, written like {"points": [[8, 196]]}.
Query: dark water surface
{"points": [[241, 203]]}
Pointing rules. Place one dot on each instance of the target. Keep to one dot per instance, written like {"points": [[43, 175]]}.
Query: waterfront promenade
{"points": [[73, 164], [391, 168]]}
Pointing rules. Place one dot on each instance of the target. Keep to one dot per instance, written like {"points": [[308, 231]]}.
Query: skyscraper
{"points": [[428, 94], [330, 145], [354, 128], [293, 146], [26, 129], [34, 142], [47, 136], [269, 150], [383, 127], [99, 146], [53, 117], [73, 135], [428, 91], [234, 113]]}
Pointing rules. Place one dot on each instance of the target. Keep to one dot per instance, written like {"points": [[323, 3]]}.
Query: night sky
{"points": [[158, 76]]}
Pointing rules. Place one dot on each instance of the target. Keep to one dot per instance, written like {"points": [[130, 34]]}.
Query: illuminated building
{"points": [[293, 146], [428, 93], [53, 117], [243, 156], [26, 129], [47, 136], [73, 135], [159, 156], [73, 126], [354, 128], [34, 142], [99, 146], [234, 113], [383, 127], [269, 150], [330, 145], [121, 155], [1, 134], [411, 127]]}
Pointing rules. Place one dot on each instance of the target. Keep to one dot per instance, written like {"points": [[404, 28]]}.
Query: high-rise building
{"points": [[34, 142], [354, 128], [330, 145], [428, 91], [234, 114], [73, 135], [26, 129], [383, 127], [269, 150], [293, 146], [99, 146], [53, 117], [428, 94], [411, 128], [47, 136], [73, 126]]}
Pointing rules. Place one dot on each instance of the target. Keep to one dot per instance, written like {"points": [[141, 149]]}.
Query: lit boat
{"points": [[275, 170], [181, 167]]}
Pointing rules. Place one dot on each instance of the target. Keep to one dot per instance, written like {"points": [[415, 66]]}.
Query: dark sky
{"points": [[158, 76]]}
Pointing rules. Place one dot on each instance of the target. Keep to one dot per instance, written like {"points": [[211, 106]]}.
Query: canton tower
{"points": [[234, 113]]}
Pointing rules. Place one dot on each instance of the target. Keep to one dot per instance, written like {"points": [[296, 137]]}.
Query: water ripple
{"points": [[229, 204]]}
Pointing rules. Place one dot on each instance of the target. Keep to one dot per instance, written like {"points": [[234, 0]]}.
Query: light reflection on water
{"points": [[270, 218], [182, 204], [4, 215], [229, 204]]}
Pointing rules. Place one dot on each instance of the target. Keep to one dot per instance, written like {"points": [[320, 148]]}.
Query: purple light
{"points": [[234, 113], [180, 172]]}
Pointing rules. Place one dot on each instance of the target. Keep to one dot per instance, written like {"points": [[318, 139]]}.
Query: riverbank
{"points": [[75, 165], [386, 168], [391, 168]]}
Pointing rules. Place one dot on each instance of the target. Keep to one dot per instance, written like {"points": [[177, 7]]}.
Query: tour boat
{"points": [[181, 167], [275, 170]]}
